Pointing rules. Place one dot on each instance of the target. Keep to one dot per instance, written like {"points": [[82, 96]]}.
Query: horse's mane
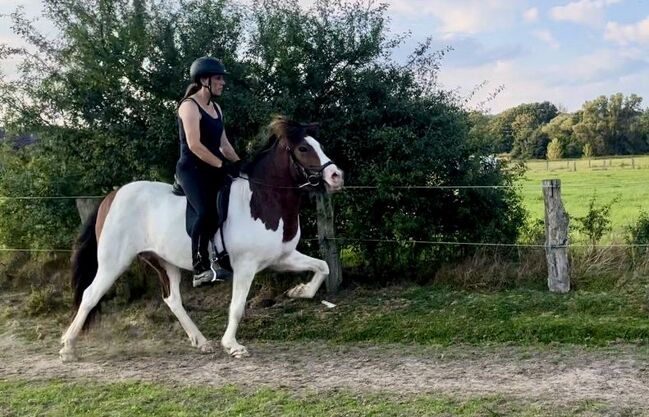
{"points": [[279, 127]]}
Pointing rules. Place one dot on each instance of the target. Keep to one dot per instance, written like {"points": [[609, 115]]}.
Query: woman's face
{"points": [[217, 82]]}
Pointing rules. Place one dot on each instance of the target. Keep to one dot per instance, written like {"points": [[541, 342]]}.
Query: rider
{"points": [[204, 149]]}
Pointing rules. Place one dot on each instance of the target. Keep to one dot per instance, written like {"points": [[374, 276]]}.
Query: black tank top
{"points": [[211, 130]]}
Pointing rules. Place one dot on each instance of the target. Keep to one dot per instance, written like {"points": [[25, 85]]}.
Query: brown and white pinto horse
{"points": [[262, 231]]}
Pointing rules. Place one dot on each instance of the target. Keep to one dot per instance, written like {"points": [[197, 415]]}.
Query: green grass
{"points": [[430, 316], [65, 399], [631, 186]]}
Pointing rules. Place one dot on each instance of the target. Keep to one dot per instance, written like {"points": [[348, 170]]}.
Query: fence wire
{"points": [[346, 239], [407, 242]]}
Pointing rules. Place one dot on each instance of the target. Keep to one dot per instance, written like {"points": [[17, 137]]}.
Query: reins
{"points": [[313, 177]]}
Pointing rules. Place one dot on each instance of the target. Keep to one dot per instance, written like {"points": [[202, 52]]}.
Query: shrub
{"points": [[386, 124], [597, 220], [638, 234], [44, 300]]}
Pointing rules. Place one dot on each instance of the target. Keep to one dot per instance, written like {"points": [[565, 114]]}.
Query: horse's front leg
{"points": [[241, 281], [297, 262]]}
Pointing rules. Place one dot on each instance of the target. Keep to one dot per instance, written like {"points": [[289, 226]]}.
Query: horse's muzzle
{"points": [[333, 178]]}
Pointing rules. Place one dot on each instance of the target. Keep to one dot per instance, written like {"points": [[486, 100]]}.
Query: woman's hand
{"points": [[233, 168]]}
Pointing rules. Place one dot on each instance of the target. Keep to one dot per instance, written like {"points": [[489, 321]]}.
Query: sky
{"points": [[562, 51]]}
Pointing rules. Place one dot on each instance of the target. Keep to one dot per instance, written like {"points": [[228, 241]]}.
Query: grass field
{"points": [[615, 180], [60, 398]]}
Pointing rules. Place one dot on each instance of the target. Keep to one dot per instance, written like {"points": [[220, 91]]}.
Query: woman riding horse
{"points": [[204, 149], [144, 220]]}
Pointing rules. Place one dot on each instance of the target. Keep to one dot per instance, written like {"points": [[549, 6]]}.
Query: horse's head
{"points": [[308, 161]]}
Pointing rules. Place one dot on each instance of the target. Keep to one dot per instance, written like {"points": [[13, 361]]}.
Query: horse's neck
{"points": [[274, 193]]}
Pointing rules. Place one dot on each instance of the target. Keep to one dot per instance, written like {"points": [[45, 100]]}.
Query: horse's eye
{"points": [[303, 149]]}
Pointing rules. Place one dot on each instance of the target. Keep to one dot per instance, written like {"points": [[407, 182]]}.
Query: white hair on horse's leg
{"points": [[297, 262], [243, 277], [174, 301]]}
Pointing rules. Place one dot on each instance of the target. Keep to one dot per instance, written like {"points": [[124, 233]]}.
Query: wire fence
{"points": [[411, 242], [347, 239], [347, 188]]}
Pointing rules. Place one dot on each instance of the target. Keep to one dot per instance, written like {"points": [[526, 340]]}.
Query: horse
{"points": [[145, 219]]}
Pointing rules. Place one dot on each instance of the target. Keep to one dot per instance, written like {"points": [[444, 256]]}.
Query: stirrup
{"points": [[211, 276]]}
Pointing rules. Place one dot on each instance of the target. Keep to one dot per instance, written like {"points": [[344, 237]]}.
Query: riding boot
{"points": [[206, 272]]}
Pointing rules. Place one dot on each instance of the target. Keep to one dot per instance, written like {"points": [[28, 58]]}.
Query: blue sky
{"points": [[563, 51]]}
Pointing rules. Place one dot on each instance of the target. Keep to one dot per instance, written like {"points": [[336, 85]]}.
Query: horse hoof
{"points": [[238, 352], [67, 355], [299, 291], [207, 347]]}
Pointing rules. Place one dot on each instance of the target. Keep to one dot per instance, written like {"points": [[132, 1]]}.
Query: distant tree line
{"points": [[615, 125]]}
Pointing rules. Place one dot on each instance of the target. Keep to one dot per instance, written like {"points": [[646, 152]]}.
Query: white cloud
{"points": [[547, 37], [587, 12], [519, 85], [628, 34], [602, 72], [462, 17], [591, 66], [531, 15]]}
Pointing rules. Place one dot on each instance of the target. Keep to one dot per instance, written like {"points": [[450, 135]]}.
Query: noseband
{"points": [[313, 177]]}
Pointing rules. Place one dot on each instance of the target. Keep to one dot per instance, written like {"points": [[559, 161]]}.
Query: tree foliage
{"points": [[612, 125], [555, 150], [102, 102]]}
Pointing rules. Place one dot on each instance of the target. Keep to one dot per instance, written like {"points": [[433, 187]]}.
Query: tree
{"points": [[384, 123], [480, 134], [561, 128], [607, 124], [515, 126], [555, 150]]}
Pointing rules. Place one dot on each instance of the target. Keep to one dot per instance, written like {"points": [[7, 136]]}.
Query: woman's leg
{"points": [[201, 215]]}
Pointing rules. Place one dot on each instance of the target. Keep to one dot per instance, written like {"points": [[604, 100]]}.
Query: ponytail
{"points": [[191, 89]]}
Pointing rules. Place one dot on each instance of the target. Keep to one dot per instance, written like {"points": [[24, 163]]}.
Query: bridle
{"points": [[314, 176]]}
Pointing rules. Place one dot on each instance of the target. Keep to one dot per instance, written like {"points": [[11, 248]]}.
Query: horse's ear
{"points": [[312, 129]]}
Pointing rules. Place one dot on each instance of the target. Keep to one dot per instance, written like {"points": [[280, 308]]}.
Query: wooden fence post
{"points": [[86, 206], [328, 247], [556, 237]]}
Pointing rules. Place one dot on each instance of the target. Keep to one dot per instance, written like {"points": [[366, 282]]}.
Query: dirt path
{"points": [[617, 375]]}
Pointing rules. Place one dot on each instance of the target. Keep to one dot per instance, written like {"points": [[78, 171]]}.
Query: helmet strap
{"points": [[209, 88]]}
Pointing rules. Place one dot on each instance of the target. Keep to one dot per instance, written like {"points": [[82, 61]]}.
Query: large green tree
{"points": [[517, 125], [103, 108], [607, 124], [561, 129]]}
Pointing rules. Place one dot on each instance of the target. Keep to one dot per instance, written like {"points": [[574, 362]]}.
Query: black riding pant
{"points": [[201, 185]]}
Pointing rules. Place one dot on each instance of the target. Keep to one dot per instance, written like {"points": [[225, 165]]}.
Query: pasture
{"points": [[607, 179]]}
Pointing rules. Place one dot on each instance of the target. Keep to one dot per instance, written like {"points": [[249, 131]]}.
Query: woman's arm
{"points": [[226, 147], [191, 116]]}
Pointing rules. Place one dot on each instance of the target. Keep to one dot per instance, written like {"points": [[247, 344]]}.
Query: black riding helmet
{"points": [[205, 66]]}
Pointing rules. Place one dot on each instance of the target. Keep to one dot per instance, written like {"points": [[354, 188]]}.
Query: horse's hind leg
{"points": [[174, 300], [107, 274], [296, 262]]}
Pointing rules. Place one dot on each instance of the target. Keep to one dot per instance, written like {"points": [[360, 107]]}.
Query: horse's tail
{"points": [[84, 265]]}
